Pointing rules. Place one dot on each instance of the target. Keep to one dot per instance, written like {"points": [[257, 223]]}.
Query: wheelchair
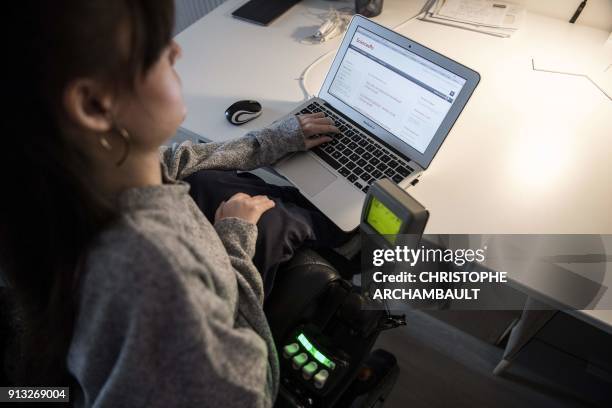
{"points": [[324, 332], [325, 326]]}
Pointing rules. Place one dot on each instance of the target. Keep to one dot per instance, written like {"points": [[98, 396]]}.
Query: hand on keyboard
{"points": [[356, 156], [315, 127]]}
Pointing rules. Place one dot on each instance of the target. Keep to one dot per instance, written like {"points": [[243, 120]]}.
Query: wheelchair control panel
{"points": [[310, 368]]}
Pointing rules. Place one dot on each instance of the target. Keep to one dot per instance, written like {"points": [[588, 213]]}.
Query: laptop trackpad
{"points": [[310, 175]]}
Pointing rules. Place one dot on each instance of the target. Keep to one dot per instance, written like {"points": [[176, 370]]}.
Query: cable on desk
{"points": [[334, 24], [302, 77]]}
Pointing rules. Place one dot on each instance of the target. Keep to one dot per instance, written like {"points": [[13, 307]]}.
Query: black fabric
{"points": [[10, 330], [292, 223]]}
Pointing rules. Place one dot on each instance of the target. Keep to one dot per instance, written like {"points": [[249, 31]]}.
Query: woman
{"points": [[130, 294]]}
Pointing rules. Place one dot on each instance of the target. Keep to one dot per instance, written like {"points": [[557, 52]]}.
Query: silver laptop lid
{"points": [[404, 93]]}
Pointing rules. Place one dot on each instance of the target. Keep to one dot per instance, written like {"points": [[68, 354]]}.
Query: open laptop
{"points": [[394, 101]]}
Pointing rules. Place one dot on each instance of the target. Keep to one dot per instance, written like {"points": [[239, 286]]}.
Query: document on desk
{"points": [[488, 13], [492, 17]]}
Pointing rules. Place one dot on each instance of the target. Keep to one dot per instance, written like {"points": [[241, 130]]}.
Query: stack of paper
{"points": [[492, 17]]}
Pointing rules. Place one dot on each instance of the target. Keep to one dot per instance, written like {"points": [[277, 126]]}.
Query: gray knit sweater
{"points": [[170, 311]]}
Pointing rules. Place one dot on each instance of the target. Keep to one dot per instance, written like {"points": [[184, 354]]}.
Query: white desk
{"points": [[531, 152], [225, 59], [522, 158]]}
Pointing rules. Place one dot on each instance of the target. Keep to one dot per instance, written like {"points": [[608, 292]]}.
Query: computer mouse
{"points": [[243, 111]]}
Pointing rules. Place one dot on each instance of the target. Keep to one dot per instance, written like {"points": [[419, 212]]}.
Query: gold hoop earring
{"points": [[126, 145]]}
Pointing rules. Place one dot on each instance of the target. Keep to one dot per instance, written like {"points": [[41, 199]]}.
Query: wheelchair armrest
{"points": [[298, 287]]}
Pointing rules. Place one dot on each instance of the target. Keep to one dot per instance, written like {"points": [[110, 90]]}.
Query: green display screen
{"points": [[316, 353], [383, 220]]}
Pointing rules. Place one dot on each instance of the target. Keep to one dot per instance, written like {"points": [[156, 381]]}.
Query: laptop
{"points": [[394, 101]]}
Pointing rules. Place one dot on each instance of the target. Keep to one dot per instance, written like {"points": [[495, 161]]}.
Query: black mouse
{"points": [[242, 112]]}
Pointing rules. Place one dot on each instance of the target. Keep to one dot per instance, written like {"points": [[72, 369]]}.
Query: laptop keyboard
{"points": [[357, 156]]}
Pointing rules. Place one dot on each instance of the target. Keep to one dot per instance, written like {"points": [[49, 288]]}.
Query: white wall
{"points": [[597, 13]]}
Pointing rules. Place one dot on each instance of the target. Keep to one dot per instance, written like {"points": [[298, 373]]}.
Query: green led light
{"points": [[320, 357]]}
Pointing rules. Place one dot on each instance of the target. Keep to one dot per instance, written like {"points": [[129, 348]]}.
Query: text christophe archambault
{"points": [[392, 282]]}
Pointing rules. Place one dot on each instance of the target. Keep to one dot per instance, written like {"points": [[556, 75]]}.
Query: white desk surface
{"points": [[531, 152]]}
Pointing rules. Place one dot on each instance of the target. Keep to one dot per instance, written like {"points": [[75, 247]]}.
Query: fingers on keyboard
{"points": [[356, 156]]}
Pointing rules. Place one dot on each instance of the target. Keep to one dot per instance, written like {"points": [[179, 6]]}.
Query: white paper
{"points": [[470, 27], [490, 13], [511, 20]]}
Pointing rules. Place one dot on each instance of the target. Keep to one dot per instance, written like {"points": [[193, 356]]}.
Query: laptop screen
{"points": [[402, 92]]}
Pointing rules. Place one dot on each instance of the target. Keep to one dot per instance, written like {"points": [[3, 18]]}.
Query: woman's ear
{"points": [[88, 105]]}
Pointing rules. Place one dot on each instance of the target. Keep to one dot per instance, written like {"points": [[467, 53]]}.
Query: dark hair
{"points": [[49, 213]]}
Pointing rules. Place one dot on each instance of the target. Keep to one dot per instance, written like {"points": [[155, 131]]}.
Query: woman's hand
{"points": [[245, 207], [315, 127]]}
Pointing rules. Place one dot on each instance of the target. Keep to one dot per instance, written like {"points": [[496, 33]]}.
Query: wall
{"points": [[189, 11]]}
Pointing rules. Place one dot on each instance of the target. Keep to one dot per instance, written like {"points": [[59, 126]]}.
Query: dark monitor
{"points": [[263, 12]]}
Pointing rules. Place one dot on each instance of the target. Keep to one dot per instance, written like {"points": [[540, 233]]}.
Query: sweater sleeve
{"points": [[149, 335], [255, 149], [239, 238]]}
